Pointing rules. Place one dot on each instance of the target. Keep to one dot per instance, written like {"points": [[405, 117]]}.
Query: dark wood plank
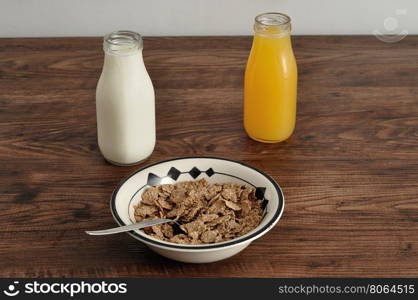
{"points": [[349, 173]]}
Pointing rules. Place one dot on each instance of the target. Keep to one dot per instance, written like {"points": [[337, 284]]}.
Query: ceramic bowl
{"points": [[215, 170]]}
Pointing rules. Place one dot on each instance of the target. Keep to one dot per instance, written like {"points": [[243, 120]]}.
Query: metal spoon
{"points": [[126, 228]]}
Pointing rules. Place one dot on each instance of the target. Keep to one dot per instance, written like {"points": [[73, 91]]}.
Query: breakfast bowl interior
{"points": [[214, 170]]}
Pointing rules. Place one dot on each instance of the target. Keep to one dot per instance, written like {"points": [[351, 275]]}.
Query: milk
{"points": [[125, 103]]}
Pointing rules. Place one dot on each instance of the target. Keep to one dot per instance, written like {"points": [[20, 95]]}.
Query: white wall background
{"points": [[35, 18]]}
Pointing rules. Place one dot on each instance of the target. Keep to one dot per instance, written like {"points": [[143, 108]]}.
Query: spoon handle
{"points": [[126, 228]]}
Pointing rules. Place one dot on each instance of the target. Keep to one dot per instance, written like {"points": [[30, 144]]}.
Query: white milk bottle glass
{"points": [[125, 101]]}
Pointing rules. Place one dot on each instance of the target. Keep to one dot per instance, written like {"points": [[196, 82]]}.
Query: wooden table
{"points": [[349, 172]]}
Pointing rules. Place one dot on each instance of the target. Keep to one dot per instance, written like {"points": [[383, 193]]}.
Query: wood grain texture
{"points": [[349, 172]]}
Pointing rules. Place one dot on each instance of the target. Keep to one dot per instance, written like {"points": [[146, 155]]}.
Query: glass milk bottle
{"points": [[270, 81], [125, 101]]}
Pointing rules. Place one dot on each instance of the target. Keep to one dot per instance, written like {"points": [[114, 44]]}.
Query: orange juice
{"points": [[270, 81]]}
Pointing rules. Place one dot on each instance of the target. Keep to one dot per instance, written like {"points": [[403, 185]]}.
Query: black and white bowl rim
{"points": [[274, 219]]}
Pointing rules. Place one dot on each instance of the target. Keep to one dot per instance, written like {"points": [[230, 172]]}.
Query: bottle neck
{"points": [[272, 25], [122, 63], [122, 43], [125, 56]]}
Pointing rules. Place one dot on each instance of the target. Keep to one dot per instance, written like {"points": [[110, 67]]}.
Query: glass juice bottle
{"points": [[270, 81]]}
